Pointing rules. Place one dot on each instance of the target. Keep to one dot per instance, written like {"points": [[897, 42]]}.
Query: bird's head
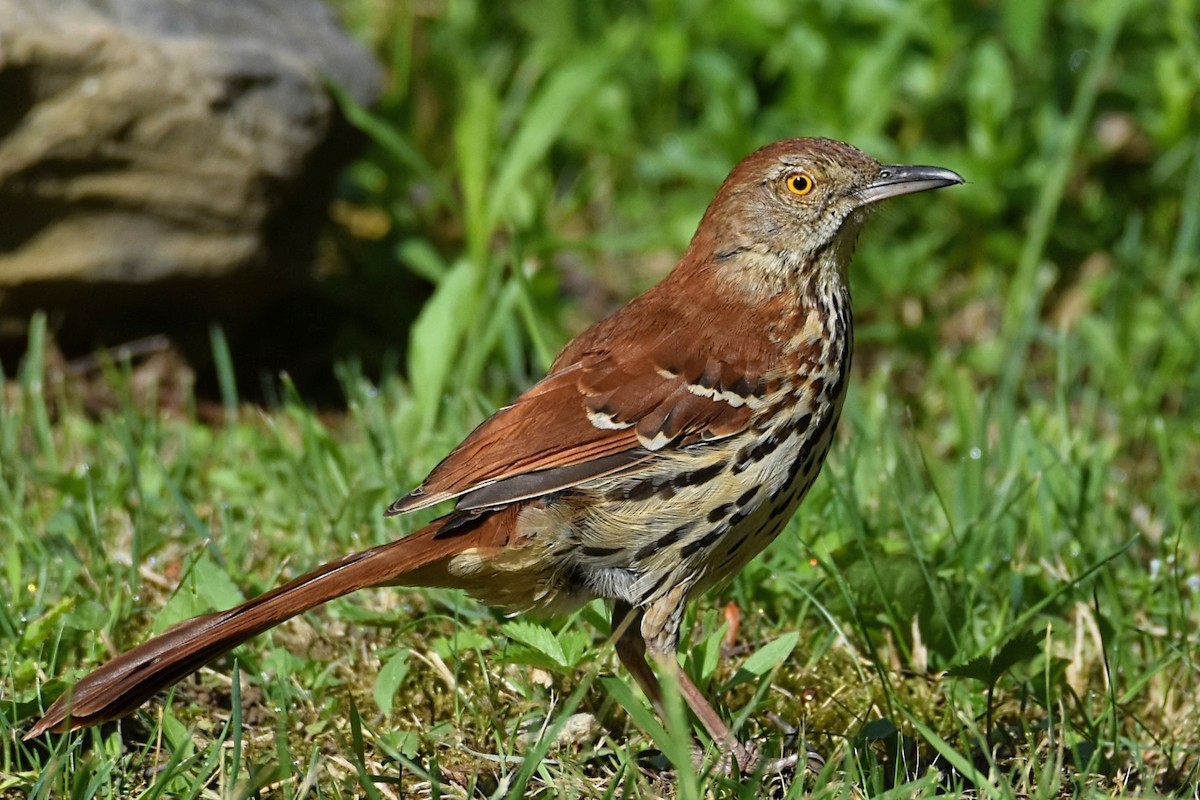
{"points": [[791, 211]]}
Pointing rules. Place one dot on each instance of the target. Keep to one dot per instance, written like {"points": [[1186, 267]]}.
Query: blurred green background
{"points": [[562, 154]]}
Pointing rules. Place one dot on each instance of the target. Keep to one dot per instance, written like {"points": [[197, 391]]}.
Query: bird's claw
{"points": [[749, 761]]}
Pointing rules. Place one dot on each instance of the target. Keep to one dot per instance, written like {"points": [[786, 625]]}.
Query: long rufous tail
{"points": [[129, 680]]}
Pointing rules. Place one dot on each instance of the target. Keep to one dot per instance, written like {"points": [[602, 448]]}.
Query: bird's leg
{"points": [[631, 649], [744, 753]]}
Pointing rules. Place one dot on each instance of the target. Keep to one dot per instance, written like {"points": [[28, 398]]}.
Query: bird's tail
{"points": [[129, 680]]}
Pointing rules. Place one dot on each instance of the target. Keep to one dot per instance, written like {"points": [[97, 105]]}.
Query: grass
{"points": [[992, 588]]}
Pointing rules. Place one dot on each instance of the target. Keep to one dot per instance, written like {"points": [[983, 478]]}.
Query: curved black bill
{"points": [[895, 180]]}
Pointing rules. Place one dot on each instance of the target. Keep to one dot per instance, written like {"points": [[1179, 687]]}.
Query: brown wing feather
{"points": [[544, 428], [621, 392]]}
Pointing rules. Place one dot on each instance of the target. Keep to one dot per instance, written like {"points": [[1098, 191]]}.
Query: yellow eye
{"points": [[799, 183]]}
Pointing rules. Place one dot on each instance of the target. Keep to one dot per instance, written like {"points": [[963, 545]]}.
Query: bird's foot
{"points": [[749, 760]]}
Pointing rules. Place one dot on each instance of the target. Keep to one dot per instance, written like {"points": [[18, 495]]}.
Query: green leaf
{"points": [[205, 588], [764, 659], [877, 729], [461, 641], [542, 123], [388, 682], [40, 628], [892, 581], [388, 136], [422, 258], [1025, 25], [527, 656], [176, 733], [214, 586], [704, 657], [576, 645], [1021, 647], [538, 638], [978, 668], [407, 743], [436, 336], [473, 142], [87, 615]]}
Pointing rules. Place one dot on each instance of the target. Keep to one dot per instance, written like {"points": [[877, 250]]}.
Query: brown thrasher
{"points": [[667, 446]]}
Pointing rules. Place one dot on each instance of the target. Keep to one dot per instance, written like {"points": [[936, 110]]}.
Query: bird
{"points": [[666, 446]]}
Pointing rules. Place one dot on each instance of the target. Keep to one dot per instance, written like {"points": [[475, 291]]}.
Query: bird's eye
{"points": [[799, 183]]}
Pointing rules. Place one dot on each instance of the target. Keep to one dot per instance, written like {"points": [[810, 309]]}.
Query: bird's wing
{"points": [[599, 415]]}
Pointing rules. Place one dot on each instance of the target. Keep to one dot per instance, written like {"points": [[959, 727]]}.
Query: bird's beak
{"points": [[895, 180]]}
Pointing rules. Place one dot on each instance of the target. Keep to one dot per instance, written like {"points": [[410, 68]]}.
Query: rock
{"points": [[170, 159]]}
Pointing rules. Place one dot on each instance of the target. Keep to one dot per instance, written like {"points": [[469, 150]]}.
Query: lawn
{"points": [[991, 589]]}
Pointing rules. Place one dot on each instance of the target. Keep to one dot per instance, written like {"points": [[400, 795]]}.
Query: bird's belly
{"points": [[697, 517], [692, 518]]}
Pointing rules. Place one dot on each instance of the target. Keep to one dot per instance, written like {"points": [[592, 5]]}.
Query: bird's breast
{"points": [[697, 515]]}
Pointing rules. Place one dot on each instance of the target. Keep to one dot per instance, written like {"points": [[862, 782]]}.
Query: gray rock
{"points": [[169, 145]]}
